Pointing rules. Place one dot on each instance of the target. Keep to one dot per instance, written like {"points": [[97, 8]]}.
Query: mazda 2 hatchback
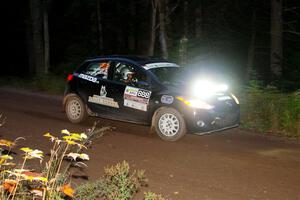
{"points": [[148, 91]]}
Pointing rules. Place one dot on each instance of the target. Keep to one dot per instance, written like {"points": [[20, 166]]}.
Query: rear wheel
{"points": [[75, 109], [169, 124]]}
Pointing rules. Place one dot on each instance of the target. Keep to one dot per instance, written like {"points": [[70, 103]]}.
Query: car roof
{"points": [[142, 60]]}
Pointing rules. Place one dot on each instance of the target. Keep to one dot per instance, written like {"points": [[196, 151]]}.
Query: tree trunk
{"points": [[276, 39], [185, 18], [99, 28], [251, 51], [184, 40], [198, 20], [152, 29], [162, 29], [183, 51], [132, 27], [46, 37], [36, 19], [29, 43], [38, 37], [168, 12]]}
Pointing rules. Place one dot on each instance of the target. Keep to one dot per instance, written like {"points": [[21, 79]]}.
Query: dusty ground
{"points": [[232, 165]]}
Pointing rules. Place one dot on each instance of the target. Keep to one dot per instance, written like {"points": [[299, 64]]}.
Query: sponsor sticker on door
{"points": [[136, 98]]}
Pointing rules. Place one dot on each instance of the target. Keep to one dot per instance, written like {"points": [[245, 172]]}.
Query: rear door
{"points": [[92, 84]]}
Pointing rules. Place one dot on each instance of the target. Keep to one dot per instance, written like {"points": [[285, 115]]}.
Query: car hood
{"points": [[181, 90]]}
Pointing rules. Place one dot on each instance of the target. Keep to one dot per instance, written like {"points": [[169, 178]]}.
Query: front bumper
{"points": [[223, 116], [216, 130]]}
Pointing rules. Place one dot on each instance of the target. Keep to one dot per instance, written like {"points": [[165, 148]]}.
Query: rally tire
{"points": [[169, 124], [75, 109]]}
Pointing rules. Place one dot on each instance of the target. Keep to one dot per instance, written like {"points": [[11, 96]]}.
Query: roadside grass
{"points": [[271, 111], [54, 84]]}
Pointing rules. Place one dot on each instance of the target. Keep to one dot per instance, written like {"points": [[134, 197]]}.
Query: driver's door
{"points": [[132, 96]]}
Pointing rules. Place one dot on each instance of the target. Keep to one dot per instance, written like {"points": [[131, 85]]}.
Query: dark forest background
{"points": [[246, 39]]}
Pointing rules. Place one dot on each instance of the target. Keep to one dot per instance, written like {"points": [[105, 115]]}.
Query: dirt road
{"points": [[232, 165]]}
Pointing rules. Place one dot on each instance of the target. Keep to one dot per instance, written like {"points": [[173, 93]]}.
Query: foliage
{"points": [[269, 110], [90, 190], [19, 182], [120, 183], [47, 185]]}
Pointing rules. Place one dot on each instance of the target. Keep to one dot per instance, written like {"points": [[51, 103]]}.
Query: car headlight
{"points": [[204, 88], [196, 103]]}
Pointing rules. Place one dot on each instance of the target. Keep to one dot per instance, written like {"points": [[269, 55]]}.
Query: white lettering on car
{"points": [[88, 78]]}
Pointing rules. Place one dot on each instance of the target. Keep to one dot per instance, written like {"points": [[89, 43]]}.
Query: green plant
{"points": [[90, 190], [120, 183], [269, 110]]}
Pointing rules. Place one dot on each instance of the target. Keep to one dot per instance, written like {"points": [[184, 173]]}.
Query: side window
{"points": [[99, 69], [128, 74]]}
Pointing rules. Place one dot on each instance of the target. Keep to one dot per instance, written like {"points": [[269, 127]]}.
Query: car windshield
{"points": [[169, 75]]}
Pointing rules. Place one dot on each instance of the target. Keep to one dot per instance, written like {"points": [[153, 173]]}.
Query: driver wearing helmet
{"points": [[127, 75]]}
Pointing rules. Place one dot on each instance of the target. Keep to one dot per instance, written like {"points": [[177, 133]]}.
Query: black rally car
{"points": [[149, 91]]}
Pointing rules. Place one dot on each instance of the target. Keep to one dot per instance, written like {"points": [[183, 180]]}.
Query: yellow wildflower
{"points": [[6, 143], [67, 190], [65, 131]]}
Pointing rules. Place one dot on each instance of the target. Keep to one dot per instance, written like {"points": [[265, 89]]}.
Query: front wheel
{"points": [[169, 124], [75, 109]]}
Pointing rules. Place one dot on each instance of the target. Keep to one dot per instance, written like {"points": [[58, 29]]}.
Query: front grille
{"points": [[227, 119], [225, 106], [226, 113]]}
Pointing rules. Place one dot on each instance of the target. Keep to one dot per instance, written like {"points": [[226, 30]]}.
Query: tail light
{"points": [[70, 77]]}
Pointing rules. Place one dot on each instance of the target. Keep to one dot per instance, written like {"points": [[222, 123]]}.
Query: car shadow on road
{"points": [[121, 127]]}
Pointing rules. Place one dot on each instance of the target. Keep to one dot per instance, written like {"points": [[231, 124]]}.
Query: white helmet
{"points": [[124, 72]]}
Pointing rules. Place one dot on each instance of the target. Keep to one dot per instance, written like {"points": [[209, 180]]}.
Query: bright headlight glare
{"points": [[223, 87], [206, 88], [196, 103]]}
